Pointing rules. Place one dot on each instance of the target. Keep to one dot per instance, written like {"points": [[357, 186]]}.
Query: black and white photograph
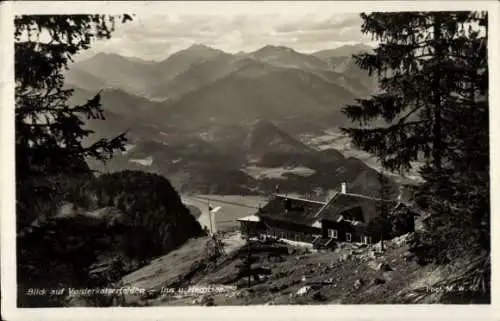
{"points": [[258, 158]]}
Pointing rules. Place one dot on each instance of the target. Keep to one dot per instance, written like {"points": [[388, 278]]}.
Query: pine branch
{"points": [[384, 105]]}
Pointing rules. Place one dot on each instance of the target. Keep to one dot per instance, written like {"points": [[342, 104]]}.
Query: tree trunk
{"points": [[249, 263], [436, 131]]}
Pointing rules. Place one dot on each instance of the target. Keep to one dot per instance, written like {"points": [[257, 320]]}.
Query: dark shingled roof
{"points": [[300, 211], [362, 208], [306, 212]]}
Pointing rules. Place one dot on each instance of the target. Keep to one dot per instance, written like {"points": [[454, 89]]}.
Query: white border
{"points": [[369, 312]]}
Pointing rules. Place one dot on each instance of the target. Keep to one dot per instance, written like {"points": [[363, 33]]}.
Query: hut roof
{"points": [[358, 207], [291, 209], [250, 218]]}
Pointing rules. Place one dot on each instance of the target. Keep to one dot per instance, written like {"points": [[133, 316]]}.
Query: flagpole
{"points": [[210, 217]]}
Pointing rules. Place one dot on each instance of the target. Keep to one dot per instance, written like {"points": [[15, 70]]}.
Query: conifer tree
{"points": [[383, 207], [379, 228], [463, 190], [411, 63], [50, 133], [432, 105]]}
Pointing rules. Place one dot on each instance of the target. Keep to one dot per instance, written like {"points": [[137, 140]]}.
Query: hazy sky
{"points": [[155, 37]]}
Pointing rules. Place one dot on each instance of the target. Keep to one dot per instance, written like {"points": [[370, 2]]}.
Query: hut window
{"points": [[333, 234], [348, 237]]}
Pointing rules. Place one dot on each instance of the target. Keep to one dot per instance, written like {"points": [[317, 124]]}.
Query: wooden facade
{"points": [[344, 231], [279, 229], [289, 230], [284, 217], [251, 229]]}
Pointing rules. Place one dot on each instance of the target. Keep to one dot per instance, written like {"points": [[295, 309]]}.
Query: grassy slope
{"points": [[341, 269], [170, 269]]}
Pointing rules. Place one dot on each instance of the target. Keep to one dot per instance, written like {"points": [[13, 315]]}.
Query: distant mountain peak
{"points": [[286, 57], [197, 50], [200, 46], [110, 56], [103, 55], [273, 48], [260, 123], [343, 51], [358, 46]]}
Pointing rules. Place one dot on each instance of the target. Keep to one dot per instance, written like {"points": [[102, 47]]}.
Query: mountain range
{"points": [[195, 67], [216, 122], [201, 84]]}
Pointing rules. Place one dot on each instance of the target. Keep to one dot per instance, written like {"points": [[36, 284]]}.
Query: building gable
{"points": [[353, 207], [290, 209]]}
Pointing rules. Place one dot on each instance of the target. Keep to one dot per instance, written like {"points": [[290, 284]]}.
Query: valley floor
{"points": [[233, 207]]}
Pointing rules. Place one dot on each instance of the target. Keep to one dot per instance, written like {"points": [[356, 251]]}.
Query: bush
{"points": [[379, 226], [402, 222]]}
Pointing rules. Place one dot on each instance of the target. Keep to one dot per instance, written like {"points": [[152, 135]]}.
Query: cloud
{"points": [[155, 37], [311, 23]]}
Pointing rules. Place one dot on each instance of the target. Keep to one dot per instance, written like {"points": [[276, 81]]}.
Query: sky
{"points": [[155, 37]]}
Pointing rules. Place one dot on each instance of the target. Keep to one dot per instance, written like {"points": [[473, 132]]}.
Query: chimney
{"points": [[344, 188], [288, 204], [400, 195]]}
